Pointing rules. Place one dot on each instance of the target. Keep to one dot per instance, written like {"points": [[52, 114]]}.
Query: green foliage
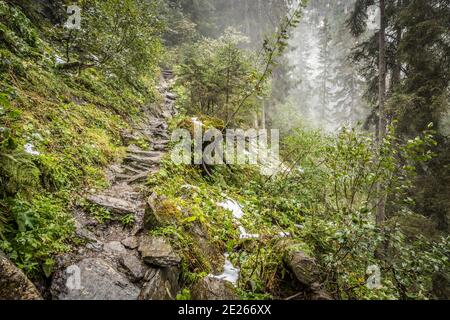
{"points": [[120, 37], [128, 220], [184, 295], [16, 31], [332, 199], [43, 229], [216, 73], [326, 201]]}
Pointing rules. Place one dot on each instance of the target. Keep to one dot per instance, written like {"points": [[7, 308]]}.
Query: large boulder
{"points": [[156, 251], [210, 288], [14, 285], [160, 284], [92, 279]]}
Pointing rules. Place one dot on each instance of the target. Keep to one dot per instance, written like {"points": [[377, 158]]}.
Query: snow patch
{"points": [[230, 273], [197, 122], [245, 235], [59, 60], [29, 148], [232, 206]]}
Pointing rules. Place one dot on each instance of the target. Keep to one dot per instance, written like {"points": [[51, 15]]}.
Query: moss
{"points": [[169, 210]]}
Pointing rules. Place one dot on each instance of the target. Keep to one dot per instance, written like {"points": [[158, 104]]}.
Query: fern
{"points": [[19, 174]]}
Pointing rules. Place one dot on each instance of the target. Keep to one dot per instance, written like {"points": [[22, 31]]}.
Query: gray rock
{"points": [[321, 295], [95, 246], [92, 279], [120, 206], [304, 268], [161, 284], [131, 242], [148, 154], [142, 159], [156, 251], [134, 266], [115, 247], [210, 288], [14, 285], [171, 96]]}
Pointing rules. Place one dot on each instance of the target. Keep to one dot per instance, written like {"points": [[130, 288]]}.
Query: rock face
{"points": [[14, 285], [115, 248], [156, 251], [131, 242], [213, 289], [134, 266], [161, 284], [92, 279]]}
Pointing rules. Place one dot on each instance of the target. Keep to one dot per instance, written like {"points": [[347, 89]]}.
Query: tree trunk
{"points": [[395, 80], [263, 115], [381, 207]]}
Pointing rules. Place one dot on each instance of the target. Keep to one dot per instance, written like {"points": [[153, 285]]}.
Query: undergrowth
{"points": [[58, 132]]}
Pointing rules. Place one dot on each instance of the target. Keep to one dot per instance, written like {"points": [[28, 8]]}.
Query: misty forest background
{"points": [[363, 116]]}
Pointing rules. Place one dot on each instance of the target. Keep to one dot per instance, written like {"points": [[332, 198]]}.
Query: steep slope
{"points": [[108, 264], [59, 131]]}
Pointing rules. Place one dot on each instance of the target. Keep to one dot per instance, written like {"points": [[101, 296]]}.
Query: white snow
{"points": [[230, 273], [245, 235], [232, 206], [283, 234], [59, 60], [29, 148], [197, 122]]}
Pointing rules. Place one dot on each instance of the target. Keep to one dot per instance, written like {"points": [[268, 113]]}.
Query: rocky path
{"points": [[115, 262]]}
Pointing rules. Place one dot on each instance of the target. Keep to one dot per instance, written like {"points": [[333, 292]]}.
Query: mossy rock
{"points": [[160, 212], [14, 285]]}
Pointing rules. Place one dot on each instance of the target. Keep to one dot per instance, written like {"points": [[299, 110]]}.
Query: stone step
{"points": [[123, 177], [140, 177], [116, 205], [137, 151], [100, 281], [162, 134], [160, 147], [142, 159], [171, 96], [130, 170], [141, 167]]}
